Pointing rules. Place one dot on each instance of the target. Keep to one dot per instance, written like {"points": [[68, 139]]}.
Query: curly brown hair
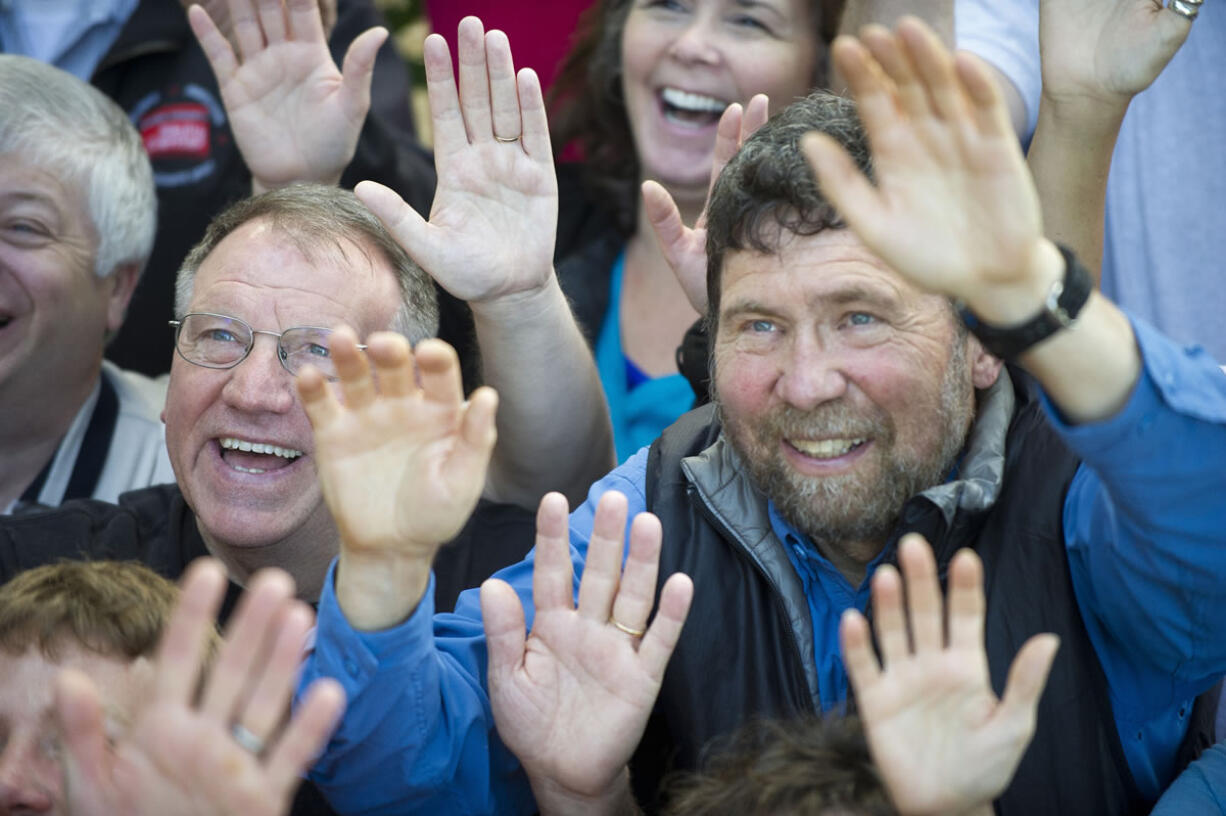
{"points": [[587, 108]]}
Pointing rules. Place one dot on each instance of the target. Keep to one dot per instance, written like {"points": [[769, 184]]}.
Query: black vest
{"points": [[744, 653]]}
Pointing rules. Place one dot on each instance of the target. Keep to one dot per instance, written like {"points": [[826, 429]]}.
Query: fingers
{"points": [[603, 566], [662, 636], [553, 579], [78, 711], [888, 618], [502, 615], [966, 602], [727, 141], [216, 47], [356, 385], [357, 71], [503, 91], [1027, 679], [320, 404], [305, 23], [858, 657], [935, 65], [393, 359], [181, 649], [887, 50], [478, 432], [535, 123], [636, 594], [988, 108], [306, 734], [271, 693], [924, 611], [241, 661], [447, 122], [868, 83], [755, 116], [272, 21], [404, 223], [246, 26], [438, 371], [474, 81], [842, 183]]}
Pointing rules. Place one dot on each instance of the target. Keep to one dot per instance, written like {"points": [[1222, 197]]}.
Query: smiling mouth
{"points": [[255, 457], [694, 110], [826, 448]]}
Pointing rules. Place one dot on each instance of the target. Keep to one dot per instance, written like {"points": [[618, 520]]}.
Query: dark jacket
{"points": [[753, 655], [156, 527]]}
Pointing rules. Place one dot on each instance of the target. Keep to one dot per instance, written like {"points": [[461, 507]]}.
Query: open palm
{"points": [[941, 739], [954, 208], [572, 699], [401, 465], [179, 758], [294, 115], [494, 219]]}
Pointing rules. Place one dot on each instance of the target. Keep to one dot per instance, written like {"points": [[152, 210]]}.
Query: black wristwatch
{"points": [[1064, 302]]}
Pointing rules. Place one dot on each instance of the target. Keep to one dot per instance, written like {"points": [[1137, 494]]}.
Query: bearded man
{"points": [[852, 407]]}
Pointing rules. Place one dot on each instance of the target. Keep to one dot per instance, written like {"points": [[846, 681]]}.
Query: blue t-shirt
{"points": [[640, 408]]}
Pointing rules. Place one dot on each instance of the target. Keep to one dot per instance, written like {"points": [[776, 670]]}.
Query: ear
{"points": [[985, 368], [123, 284]]}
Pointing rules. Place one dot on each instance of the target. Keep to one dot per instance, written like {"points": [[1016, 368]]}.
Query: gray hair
{"points": [[54, 120], [315, 216], [768, 190]]}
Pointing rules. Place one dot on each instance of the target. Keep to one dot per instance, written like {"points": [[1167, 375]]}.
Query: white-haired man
{"points": [[77, 218]]}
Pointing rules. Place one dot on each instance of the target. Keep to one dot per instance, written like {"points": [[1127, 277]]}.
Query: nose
{"points": [[812, 374], [697, 42], [21, 789], [260, 384]]}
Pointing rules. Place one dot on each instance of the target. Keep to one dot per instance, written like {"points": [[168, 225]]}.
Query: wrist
{"points": [[555, 800], [1010, 304], [526, 304], [380, 590]]}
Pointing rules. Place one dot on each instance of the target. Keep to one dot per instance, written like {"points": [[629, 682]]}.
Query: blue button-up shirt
{"points": [[1145, 530]]}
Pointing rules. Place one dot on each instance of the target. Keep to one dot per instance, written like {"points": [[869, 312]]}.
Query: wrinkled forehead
{"points": [[27, 178]]}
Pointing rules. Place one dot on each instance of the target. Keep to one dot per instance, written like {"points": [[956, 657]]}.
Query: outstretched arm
{"points": [[489, 241], [183, 757], [572, 699], [1096, 56], [955, 209], [943, 742], [295, 117]]}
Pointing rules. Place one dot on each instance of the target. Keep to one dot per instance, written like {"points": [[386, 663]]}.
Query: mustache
{"points": [[835, 419]]}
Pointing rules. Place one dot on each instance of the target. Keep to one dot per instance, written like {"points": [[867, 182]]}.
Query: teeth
{"points": [[692, 102], [229, 443], [242, 469], [824, 448]]}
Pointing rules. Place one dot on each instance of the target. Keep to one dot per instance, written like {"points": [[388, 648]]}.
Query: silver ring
{"points": [[506, 139], [247, 740], [1188, 9]]}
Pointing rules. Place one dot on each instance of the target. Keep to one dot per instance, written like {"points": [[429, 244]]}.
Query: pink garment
{"points": [[540, 32]]}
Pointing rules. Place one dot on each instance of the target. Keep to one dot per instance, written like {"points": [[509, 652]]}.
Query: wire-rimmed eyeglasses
{"points": [[220, 341]]}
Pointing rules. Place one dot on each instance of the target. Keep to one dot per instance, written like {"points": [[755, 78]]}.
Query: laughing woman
{"points": [[639, 98]]}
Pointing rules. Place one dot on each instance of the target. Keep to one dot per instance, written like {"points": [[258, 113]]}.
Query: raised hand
{"points": [[493, 223], [685, 248], [954, 208], [294, 116], [401, 464], [572, 699], [1106, 50], [943, 742], [181, 757]]}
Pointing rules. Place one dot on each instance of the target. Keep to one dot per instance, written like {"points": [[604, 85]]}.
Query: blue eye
{"points": [[220, 336], [761, 326], [745, 21], [861, 319], [316, 350]]}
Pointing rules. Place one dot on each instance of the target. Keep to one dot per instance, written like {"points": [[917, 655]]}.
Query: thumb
{"points": [[1027, 679], [404, 223], [356, 73], [502, 615], [79, 714], [677, 243]]}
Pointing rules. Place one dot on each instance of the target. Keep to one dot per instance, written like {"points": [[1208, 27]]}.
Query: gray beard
{"points": [[836, 511]]}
